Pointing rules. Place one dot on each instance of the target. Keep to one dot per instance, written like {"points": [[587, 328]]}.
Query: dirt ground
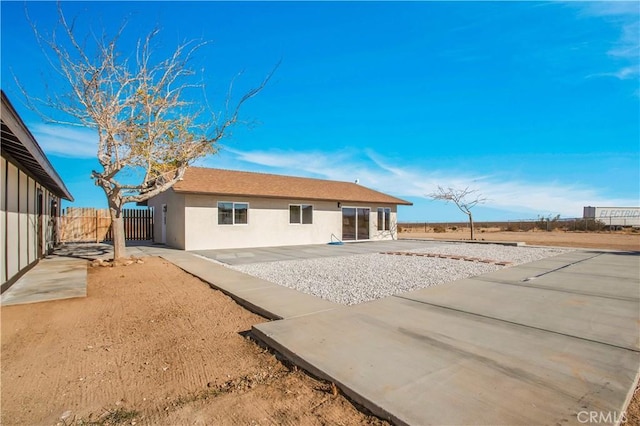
{"points": [[603, 240], [151, 344]]}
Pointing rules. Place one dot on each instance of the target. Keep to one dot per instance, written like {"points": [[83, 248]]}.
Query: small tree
{"points": [[147, 130], [465, 199]]}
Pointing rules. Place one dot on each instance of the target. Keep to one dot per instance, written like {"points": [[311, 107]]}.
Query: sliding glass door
{"points": [[355, 223]]}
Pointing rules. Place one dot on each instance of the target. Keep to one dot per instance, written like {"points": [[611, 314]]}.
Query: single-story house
{"points": [[220, 209], [30, 200]]}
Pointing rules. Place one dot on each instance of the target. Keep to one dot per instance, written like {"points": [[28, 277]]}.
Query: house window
{"points": [[384, 218], [301, 213], [233, 213]]}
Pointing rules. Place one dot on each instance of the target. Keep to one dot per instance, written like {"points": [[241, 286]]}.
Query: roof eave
{"points": [[290, 197], [15, 123]]}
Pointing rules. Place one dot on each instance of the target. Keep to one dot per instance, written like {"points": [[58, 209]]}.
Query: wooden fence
{"points": [[77, 224]]}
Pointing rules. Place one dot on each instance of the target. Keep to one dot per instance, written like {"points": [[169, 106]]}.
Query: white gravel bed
{"points": [[355, 279]]}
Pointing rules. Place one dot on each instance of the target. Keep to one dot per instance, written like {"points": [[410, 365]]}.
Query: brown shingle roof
{"points": [[229, 182]]}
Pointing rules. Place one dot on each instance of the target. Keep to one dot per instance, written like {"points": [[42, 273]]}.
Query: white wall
{"points": [[3, 223], [13, 254], [19, 221], [268, 223], [175, 218], [23, 221], [32, 219]]}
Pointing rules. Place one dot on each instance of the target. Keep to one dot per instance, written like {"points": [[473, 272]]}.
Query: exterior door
{"points": [[363, 224], [355, 223], [348, 224], [164, 224]]}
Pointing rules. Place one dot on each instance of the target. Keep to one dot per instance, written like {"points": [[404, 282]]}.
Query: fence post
{"points": [[97, 234]]}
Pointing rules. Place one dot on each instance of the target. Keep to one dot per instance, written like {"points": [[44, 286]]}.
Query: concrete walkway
{"points": [[53, 278], [533, 344], [60, 275]]}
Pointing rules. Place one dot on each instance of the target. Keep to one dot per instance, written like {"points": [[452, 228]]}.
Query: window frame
{"points": [[386, 219], [301, 208], [233, 213]]}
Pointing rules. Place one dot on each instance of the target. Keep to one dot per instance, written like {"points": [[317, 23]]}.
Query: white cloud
{"points": [[610, 8], [65, 141], [626, 48], [410, 181]]}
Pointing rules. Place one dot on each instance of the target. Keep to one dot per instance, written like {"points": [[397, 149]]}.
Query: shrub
{"points": [[439, 229]]}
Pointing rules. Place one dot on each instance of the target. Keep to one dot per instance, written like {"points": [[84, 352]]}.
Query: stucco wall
{"points": [[268, 223], [175, 236]]}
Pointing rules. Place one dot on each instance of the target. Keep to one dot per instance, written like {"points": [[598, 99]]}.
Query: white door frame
{"points": [[356, 224], [164, 224]]}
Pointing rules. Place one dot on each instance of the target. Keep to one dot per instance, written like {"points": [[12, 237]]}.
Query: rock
{"points": [[334, 389], [97, 262], [65, 415]]}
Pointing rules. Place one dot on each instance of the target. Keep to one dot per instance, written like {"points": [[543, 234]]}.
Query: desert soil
{"points": [[151, 344], [603, 240]]}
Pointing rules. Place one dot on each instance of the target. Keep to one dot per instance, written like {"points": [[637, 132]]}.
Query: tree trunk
{"points": [[471, 224], [117, 230]]}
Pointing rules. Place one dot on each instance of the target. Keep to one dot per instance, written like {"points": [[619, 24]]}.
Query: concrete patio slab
{"points": [[273, 254], [479, 352], [601, 277], [53, 278], [606, 320], [420, 364]]}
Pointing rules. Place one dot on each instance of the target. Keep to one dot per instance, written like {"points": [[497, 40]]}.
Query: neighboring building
{"points": [[30, 199], [218, 209], [614, 216]]}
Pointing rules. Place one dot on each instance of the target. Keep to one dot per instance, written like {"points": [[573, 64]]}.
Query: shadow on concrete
{"points": [[86, 251], [104, 251]]}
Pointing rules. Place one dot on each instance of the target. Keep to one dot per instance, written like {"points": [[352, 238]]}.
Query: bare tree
{"points": [[148, 132], [465, 199]]}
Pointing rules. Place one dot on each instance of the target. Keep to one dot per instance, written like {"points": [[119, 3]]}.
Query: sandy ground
{"points": [[152, 345], [603, 240]]}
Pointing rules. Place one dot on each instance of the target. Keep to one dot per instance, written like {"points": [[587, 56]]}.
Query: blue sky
{"points": [[534, 104]]}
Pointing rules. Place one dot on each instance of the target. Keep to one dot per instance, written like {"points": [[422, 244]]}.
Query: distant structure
{"points": [[614, 217]]}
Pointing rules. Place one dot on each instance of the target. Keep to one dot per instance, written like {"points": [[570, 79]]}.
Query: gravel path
{"points": [[355, 279]]}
